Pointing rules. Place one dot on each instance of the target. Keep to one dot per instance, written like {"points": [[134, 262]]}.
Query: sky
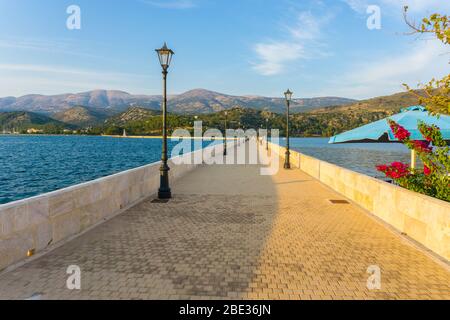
{"points": [[238, 47]]}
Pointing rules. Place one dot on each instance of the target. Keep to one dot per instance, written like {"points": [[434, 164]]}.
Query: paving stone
{"points": [[231, 233]]}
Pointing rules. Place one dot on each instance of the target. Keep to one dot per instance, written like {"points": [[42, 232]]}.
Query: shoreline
{"points": [[135, 137], [168, 137]]}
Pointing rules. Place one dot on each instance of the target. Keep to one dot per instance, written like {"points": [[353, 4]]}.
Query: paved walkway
{"points": [[231, 233]]}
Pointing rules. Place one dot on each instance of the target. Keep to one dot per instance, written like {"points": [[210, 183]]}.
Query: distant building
{"points": [[6, 131], [33, 130]]}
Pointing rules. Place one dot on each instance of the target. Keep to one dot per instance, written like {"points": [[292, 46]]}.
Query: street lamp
{"points": [[165, 57], [260, 140], [287, 162], [225, 141], [239, 137], [267, 133]]}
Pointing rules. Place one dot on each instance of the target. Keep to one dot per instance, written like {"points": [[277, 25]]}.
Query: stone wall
{"points": [[49, 219], [424, 219]]}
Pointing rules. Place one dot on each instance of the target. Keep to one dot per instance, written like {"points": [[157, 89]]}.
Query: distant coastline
{"points": [[129, 137], [160, 137]]}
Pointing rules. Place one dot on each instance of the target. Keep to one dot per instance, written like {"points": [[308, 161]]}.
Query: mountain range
{"points": [[81, 116], [392, 103], [198, 101], [144, 120], [22, 120]]}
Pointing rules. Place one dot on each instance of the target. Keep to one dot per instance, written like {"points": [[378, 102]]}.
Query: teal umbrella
{"points": [[379, 131]]}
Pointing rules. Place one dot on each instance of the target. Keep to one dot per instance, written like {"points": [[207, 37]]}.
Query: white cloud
{"points": [[307, 27], [171, 4], [20, 79], [359, 6], [273, 55], [384, 76]]}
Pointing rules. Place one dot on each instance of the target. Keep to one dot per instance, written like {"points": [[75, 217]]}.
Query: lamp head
{"points": [[288, 95], [165, 56]]}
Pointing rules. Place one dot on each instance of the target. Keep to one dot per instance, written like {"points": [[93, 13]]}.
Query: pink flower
{"points": [[426, 170], [395, 175], [399, 132], [396, 170], [399, 165]]}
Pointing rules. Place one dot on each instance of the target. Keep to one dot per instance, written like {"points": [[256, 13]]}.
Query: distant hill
{"points": [[316, 122], [337, 119], [21, 120], [130, 115], [251, 112], [81, 116], [392, 103], [104, 99], [198, 101], [137, 121], [140, 121]]}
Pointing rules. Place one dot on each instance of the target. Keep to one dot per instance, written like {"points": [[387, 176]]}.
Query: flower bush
{"points": [[396, 170], [434, 178]]}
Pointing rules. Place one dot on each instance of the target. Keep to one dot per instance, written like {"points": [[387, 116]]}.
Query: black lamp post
{"points": [[225, 141], [165, 57], [239, 138], [261, 140], [267, 134], [287, 162]]}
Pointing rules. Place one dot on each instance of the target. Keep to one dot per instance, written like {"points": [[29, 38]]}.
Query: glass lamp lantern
{"points": [[165, 56], [288, 94]]}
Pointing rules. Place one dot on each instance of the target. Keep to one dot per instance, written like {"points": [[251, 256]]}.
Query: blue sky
{"points": [[241, 47]]}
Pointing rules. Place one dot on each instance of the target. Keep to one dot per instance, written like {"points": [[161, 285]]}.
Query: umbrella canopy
{"points": [[379, 131]]}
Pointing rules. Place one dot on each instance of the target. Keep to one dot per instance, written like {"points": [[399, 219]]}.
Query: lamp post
{"points": [[239, 137], [258, 133], [287, 162], [165, 57], [225, 141], [267, 133]]}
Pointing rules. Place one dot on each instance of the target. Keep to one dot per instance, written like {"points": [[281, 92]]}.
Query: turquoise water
{"points": [[32, 165], [360, 157]]}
